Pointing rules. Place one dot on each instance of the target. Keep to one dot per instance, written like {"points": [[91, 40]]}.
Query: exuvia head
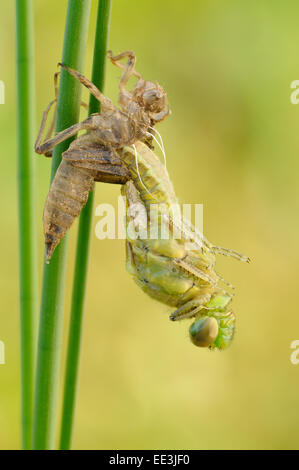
{"points": [[152, 98]]}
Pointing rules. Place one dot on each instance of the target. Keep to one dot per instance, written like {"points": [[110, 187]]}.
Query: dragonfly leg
{"points": [[106, 103], [130, 264], [128, 69], [228, 252], [50, 132], [191, 308]]}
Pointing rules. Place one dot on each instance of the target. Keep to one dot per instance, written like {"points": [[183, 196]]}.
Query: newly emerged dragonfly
{"points": [[176, 270], [118, 148]]}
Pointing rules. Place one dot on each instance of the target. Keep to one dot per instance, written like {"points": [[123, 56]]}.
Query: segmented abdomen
{"points": [[68, 194], [152, 182]]}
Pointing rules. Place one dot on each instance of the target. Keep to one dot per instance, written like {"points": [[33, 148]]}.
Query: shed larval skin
{"points": [[94, 156]]}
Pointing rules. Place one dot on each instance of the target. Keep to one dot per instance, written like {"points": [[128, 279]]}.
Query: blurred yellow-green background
{"points": [[232, 144]]}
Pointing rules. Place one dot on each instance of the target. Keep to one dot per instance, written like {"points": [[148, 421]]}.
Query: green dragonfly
{"points": [[178, 271]]}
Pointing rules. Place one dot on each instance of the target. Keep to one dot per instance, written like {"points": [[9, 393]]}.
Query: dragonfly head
{"points": [[215, 330], [203, 332]]}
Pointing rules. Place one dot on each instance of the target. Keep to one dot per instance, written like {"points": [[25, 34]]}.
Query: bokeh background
{"points": [[232, 144]]}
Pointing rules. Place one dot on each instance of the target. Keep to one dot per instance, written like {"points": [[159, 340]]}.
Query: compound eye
{"points": [[204, 331], [150, 96]]}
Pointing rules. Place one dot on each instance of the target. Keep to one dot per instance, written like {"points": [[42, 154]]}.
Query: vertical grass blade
{"points": [[27, 225], [83, 246], [50, 329]]}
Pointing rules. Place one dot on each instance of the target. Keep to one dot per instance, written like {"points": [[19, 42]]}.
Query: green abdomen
{"points": [[153, 175]]}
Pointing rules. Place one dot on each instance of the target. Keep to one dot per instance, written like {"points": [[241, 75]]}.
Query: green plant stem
{"points": [[49, 344], [83, 247], [27, 223]]}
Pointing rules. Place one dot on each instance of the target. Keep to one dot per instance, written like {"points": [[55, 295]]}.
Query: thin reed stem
{"points": [[49, 344], [83, 247], [27, 222]]}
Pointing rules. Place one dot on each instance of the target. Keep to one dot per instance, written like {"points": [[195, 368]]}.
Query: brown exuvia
{"points": [[94, 156]]}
